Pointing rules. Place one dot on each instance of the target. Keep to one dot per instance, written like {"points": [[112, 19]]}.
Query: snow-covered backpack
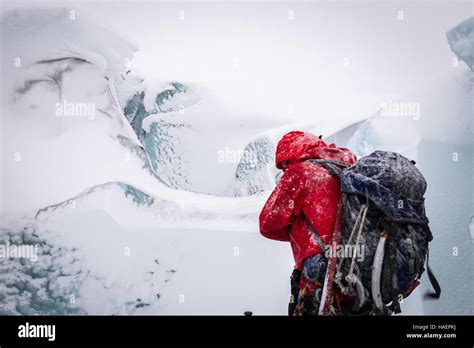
{"points": [[383, 218], [380, 242]]}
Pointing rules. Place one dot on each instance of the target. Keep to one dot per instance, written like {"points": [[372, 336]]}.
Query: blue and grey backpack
{"points": [[383, 215]]}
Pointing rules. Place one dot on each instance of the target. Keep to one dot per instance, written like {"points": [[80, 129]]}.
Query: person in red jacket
{"points": [[309, 191]]}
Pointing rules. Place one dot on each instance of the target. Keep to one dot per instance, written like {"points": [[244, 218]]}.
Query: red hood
{"points": [[297, 146]]}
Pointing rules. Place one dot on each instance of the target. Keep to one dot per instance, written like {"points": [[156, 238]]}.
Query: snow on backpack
{"points": [[382, 242]]}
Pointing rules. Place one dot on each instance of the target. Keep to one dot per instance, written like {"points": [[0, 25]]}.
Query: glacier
{"points": [[461, 41], [160, 134], [256, 170]]}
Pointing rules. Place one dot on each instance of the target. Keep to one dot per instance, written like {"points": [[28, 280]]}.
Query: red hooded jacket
{"points": [[306, 187]]}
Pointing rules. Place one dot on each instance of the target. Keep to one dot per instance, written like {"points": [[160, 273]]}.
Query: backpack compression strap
{"points": [[392, 265], [432, 278]]}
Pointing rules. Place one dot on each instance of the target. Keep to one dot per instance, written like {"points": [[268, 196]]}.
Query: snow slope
{"points": [[161, 257]]}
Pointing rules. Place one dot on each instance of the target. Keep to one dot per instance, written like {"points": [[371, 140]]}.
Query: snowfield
{"points": [[136, 206]]}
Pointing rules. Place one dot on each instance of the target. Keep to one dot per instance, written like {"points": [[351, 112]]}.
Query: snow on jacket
{"points": [[304, 187]]}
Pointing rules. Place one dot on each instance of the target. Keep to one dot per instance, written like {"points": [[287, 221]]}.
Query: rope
{"points": [[351, 278], [356, 224], [361, 226]]}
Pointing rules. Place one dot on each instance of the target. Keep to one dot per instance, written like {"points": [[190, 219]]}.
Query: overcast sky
{"points": [[289, 60]]}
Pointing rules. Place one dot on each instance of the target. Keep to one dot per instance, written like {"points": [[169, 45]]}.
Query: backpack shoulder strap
{"points": [[335, 167], [316, 236]]}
